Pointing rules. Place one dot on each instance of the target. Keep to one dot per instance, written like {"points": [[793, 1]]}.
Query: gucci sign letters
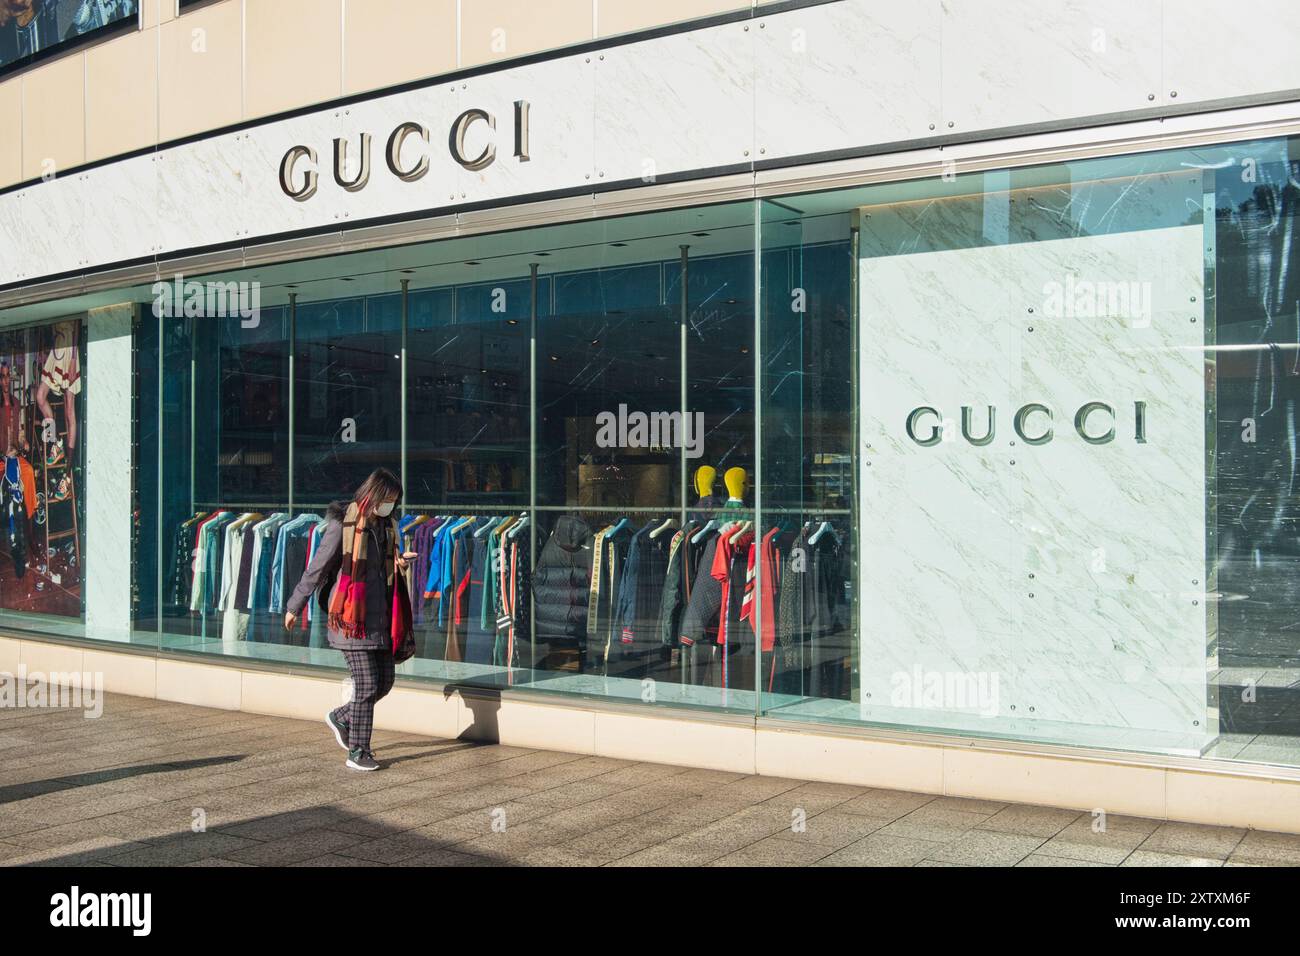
{"points": [[300, 175], [1094, 422]]}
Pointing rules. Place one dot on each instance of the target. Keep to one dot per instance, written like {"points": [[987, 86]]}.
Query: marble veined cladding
{"points": [[108, 471], [860, 72], [1215, 52], [120, 219], [561, 128], [685, 103], [1027, 61], [851, 75], [46, 222], [1073, 571], [200, 190]]}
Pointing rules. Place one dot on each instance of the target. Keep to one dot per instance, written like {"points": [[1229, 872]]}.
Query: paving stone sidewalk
{"points": [[132, 787]]}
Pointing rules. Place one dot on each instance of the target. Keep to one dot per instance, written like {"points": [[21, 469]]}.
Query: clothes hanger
{"points": [[622, 523], [709, 526], [826, 526], [670, 523]]}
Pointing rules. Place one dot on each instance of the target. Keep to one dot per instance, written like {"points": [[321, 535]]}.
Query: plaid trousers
{"points": [[372, 679]]}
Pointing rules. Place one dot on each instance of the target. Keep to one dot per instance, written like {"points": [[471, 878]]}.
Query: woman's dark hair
{"points": [[380, 486]]}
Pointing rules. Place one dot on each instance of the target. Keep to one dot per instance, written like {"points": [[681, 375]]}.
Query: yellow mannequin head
{"points": [[736, 480], [705, 476]]}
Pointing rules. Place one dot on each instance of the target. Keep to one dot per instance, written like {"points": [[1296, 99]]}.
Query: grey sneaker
{"points": [[340, 729], [359, 759]]}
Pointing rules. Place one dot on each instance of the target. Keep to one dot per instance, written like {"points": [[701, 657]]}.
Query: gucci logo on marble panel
{"points": [[1033, 423]]}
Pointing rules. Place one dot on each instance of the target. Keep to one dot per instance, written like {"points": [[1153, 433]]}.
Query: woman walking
{"points": [[360, 545]]}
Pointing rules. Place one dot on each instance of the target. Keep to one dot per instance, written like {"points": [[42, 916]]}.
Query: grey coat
{"points": [[379, 599]]}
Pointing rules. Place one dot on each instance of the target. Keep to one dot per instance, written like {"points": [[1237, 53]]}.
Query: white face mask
{"points": [[385, 509]]}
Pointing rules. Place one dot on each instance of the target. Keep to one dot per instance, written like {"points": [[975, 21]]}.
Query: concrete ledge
{"points": [[200, 684], [9, 654], [50, 658], [1056, 781], [1122, 784], [124, 673], [675, 740], [859, 761]]}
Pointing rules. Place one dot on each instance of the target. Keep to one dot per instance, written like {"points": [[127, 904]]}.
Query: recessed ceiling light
{"points": [[555, 358], [512, 321]]}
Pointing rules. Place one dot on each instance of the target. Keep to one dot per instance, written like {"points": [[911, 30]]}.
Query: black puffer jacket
{"points": [[562, 583]]}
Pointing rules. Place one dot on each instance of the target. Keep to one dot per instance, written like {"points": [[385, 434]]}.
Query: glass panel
{"points": [[1037, 536], [808, 468], [467, 396], [347, 394], [639, 388], [42, 496], [226, 440], [598, 442], [1254, 299]]}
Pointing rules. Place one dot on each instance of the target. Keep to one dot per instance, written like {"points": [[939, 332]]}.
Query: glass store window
{"points": [[1075, 447], [42, 495], [225, 468], [572, 411], [808, 466], [1015, 463], [347, 393]]}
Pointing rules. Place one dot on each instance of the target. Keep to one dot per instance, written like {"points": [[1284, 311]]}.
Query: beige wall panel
{"points": [[160, 11], [294, 50], [54, 115], [500, 29], [11, 120], [387, 42], [133, 674], [122, 95], [201, 71], [621, 16]]}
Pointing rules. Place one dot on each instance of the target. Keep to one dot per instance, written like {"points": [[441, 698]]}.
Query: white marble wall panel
{"points": [[1073, 572], [436, 108], [1215, 52], [847, 74], [676, 103], [1015, 62], [15, 260], [562, 104], [266, 210], [200, 189], [120, 219], [844, 75], [108, 471], [50, 226]]}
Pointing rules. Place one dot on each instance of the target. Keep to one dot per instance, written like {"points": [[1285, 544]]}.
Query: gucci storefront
{"points": [[923, 419]]}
